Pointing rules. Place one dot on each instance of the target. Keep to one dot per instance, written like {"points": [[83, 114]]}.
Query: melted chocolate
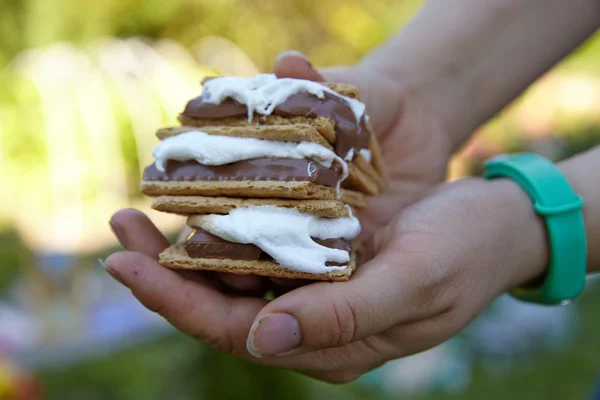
{"points": [[349, 134], [278, 169], [204, 245]]}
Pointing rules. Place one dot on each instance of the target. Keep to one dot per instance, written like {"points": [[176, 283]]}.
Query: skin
{"points": [[439, 253]]}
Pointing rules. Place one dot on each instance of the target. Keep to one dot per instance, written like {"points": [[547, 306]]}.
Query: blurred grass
{"points": [[567, 374], [332, 31], [176, 367]]}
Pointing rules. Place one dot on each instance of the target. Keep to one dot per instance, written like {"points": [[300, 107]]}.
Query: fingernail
{"points": [[294, 53], [111, 271], [119, 233], [273, 334]]}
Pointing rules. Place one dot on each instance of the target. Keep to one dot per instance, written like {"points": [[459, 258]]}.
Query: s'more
{"points": [[270, 173]]}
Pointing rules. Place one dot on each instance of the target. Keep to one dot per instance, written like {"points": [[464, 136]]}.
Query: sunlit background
{"points": [[83, 87]]}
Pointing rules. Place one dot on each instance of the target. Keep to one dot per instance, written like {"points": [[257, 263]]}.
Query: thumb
{"points": [[380, 295], [381, 94], [293, 64]]}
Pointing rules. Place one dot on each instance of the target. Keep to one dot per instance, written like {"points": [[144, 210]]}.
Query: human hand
{"points": [[416, 150], [436, 265], [415, 144]]}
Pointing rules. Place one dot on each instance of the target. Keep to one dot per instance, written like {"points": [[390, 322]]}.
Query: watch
{"points": [[554, 199]]}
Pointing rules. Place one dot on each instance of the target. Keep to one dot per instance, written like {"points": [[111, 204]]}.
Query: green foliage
{"points": [[13, 255], [177, 367], [586, 58], [331, 31]]}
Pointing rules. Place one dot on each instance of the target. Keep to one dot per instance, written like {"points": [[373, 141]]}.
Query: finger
{"points": [[382, 96], [243, 283], [289, 283], [192, 307], [383, 293], [347, 363], [223, 322], [136, 232], [280, 286], [336, 365], [201, 277], [220, 321], [293, 64]]}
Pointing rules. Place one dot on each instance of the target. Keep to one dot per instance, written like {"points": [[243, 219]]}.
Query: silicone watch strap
{"points": [[555, 200]]}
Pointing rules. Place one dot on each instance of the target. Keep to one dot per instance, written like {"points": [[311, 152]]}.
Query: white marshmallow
{"points": [[263, 92], [219, 150], [285, 234]]}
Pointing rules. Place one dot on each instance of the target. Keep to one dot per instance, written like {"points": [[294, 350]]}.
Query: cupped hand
{"points": [[436, 261], [436, 265], [346, 336]]}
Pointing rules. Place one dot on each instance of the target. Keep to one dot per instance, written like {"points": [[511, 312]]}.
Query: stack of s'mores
{"points": [[270, 173]]}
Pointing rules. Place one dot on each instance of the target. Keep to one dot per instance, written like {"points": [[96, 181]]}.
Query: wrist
{"points": [[433, 80], [525, 250], [581, 171], [467, 63]]}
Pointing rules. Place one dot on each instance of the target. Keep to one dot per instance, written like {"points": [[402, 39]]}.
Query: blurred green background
{"points": [[83, 86]]}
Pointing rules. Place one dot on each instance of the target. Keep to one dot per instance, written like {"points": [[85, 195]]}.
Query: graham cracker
{"points": [[353, 198], [368, 172], [236, 126], [364, 178], [275, 189], [175, 257], [282, 133], [324, 126], [253, 189], [377, 157], [222, 205], [344, 89], [359, 180]]}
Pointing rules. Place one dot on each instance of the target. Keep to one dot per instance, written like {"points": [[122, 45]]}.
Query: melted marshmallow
{"points": [[349, 155], [366, 154], [285, 234], [263, 92], [219, 150]]}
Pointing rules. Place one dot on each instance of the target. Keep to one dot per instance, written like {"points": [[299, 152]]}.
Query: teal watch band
{"points": [[554, 199]]}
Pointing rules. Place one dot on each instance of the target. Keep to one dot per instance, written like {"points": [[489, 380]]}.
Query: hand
{"points": [[436, 266], [415, 145], [208, 307]]}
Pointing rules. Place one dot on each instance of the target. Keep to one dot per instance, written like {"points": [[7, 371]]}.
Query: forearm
{"points": [[582, 172], [467, 59]]}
